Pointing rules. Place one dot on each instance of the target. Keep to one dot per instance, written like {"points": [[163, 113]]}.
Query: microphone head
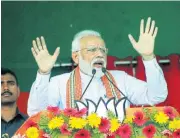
{"points": [[103, 69], [94, 71]]}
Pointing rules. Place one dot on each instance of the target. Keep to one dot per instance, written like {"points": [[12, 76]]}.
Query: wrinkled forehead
{"points": [[89, 41]]}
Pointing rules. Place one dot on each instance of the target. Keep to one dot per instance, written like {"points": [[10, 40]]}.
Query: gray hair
{"points": [[78, 36]]}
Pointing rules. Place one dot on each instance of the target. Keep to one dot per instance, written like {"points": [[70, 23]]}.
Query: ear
{"points": [[75, 57], [18, 91]]}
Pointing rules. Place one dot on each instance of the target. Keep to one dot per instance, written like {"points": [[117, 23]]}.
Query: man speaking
{"points": [[88, 79]]}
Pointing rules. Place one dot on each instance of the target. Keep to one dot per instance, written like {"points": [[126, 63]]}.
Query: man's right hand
{"points": [[44, 60]]}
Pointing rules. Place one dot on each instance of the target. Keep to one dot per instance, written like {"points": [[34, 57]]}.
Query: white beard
{"points": [[87, 68]]}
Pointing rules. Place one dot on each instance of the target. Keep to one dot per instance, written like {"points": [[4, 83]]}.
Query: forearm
{"points": [[151, 92], [38, 94], [156, 84]]}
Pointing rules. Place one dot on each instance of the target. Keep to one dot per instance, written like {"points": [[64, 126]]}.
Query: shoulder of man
{"points": [[21, 114]]}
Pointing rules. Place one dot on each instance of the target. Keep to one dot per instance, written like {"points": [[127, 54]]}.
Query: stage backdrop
{"points": [[59, 21]]}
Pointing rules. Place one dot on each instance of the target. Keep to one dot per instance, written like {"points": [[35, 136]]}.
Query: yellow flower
{"points": [[129, 119], [94, 120], [114, 125], [175, 124], [161, 118], [77, 123], [32, 132], [55, 122]]}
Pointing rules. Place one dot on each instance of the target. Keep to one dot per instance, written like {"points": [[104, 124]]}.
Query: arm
{"points": [[147, 93], [39, 92], [155, 89], [44, 93]]}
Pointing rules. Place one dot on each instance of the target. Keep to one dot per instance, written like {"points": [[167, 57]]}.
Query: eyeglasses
{"points": [[93, 50]]}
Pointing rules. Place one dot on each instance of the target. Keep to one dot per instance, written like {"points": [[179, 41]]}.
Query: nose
{"points": [[5, 86]]}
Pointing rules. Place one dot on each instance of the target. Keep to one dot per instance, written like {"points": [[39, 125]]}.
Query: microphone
{"points": [[93, 72], [104, 71]]}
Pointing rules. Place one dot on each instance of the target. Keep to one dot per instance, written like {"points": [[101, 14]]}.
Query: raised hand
{"points": [[145, 44], [44, 60]]}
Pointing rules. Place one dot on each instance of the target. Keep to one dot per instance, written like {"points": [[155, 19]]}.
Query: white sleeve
{"points": [[151, 92], [38, 94], [54, 96]]}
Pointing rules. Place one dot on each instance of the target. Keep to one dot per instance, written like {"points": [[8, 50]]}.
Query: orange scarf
{"points": [[74, 87]]}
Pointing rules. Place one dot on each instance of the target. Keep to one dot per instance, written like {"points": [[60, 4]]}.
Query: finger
{"points": [[155, 32], [142, 27], [152, 28], [56, 53], [148, 25], [35, 47], [38, 43], [43, 43], [33, 52], [132, 40]]}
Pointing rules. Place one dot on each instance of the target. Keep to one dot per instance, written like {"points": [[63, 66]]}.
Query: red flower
{"points": [[82, 134], [169, 112], [176, 134], [124, 131], [53, 109], [111, 136], [70, 111], [139, 119], [166, 133], [149, 131], [30, 123], [104, 125], [81, 112], [45, 135], [64, 129]]}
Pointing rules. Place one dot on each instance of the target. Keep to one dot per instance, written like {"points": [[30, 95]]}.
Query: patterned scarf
{"points": [[74, 87]]}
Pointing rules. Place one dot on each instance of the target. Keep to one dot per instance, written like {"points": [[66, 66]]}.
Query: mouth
{"points": [[6, 94], [98, 64]]}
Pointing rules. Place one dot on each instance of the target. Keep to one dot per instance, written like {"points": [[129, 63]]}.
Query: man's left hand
{"points": [[145, 44]]}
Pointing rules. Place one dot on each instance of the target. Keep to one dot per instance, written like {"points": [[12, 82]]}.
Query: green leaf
{"points": [[97, 135], [43, 122], [111, 115], [55, 133]]}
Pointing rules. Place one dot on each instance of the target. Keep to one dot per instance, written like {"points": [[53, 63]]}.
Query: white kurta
{"points": [[45, 92]]}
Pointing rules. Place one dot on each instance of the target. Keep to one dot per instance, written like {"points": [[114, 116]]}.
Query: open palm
{"points": [[145, 44], [44, 60]]}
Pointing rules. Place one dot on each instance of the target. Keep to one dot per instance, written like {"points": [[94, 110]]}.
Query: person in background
{"points": [[11, 117], [89, 52]]}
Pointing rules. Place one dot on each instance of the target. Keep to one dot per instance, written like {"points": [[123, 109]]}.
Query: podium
{"points": [[129, 112]]}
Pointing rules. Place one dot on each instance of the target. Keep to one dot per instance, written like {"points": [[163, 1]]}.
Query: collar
{"points": [[18, 114], [86, 78]]}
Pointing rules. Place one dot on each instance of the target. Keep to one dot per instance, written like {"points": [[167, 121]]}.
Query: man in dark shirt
{"points": [[11, 118]]}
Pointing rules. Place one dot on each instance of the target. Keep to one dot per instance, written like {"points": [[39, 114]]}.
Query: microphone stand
{"points": [[104, 71], [93, 72]]}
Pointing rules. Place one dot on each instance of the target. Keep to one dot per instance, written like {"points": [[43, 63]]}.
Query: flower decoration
{"points": [[55, 122], [139, 119], [149, 131], [161, 118], [104, 125], [176, 134], [86, 122], [124, 131], [82, 134], [64, 130], [169, 112], [32, 132], [94, 120]]}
